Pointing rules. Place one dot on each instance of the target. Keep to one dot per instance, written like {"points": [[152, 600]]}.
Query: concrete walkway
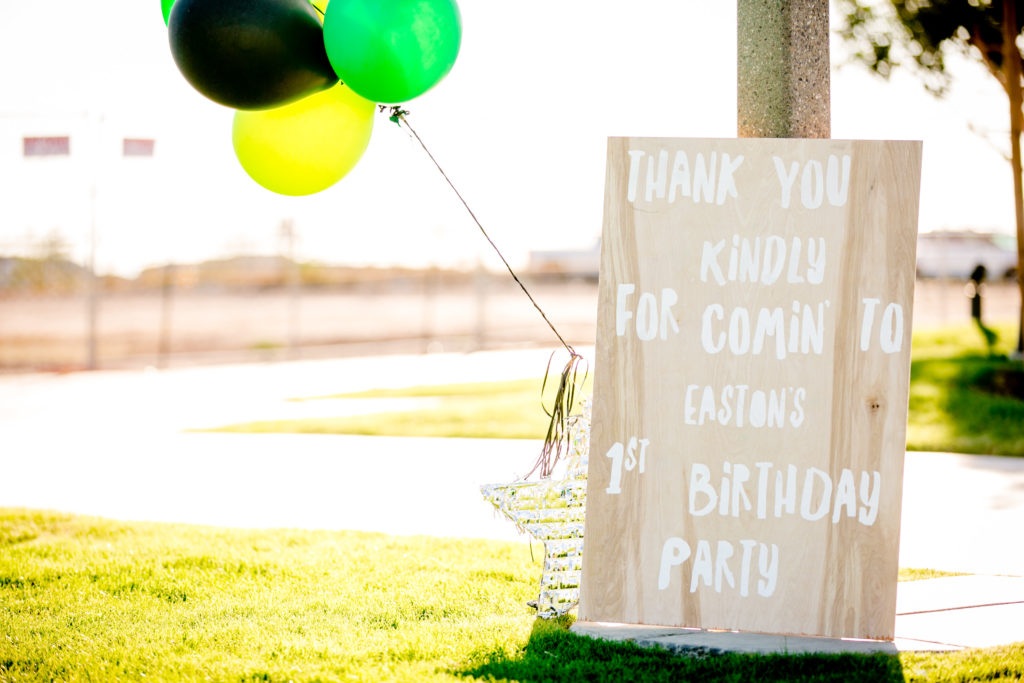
{"points": [[949, 613], [113, 444]]}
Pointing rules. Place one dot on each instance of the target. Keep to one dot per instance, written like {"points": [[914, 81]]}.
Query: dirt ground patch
{"points": [[138, 330]]}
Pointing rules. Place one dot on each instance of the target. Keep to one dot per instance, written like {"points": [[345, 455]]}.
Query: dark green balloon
{"points": [[250, 54], [391, 51]]}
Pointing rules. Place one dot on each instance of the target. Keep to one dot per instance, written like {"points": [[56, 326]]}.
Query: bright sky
{"points": [[519, 124]]}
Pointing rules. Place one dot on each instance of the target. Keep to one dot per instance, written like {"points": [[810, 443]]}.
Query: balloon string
{"points": [[398, 115], [557, 439]]}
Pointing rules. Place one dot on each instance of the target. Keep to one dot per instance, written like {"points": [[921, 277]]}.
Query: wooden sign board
{"points": [[750, 398]]}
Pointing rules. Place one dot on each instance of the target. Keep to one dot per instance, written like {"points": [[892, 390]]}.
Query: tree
{"points": [[918, 33]]}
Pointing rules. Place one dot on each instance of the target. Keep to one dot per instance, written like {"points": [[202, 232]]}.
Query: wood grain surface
{"points": [[750, 398]]}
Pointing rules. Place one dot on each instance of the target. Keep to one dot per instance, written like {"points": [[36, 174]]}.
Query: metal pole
{"points": [[292, 277], [164, 341], [92, 291], [480, 295], [783, 82], [430, 281]]}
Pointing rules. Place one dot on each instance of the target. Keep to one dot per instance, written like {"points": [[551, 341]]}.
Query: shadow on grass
{"points": [[970, 403], [555, 654]]}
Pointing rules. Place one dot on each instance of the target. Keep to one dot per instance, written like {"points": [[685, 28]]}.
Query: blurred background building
{"points": [[130, 236]]}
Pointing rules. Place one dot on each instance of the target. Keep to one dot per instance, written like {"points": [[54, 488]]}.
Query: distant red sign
{"points": [[138, 147], [53, 146]]}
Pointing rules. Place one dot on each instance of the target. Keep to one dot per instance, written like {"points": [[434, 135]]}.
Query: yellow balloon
{"points": [[321, 6], [306, 146]]}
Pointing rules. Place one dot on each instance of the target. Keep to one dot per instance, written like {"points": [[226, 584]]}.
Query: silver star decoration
{"points": [[552, 511]]}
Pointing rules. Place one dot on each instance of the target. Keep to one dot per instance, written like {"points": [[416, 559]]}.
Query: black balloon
{"points": [[250, 54]]}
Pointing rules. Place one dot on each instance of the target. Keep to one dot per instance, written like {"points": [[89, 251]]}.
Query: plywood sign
{"points": [[750, 396]]}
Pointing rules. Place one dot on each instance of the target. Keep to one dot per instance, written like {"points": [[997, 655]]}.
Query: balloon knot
{"points": [[397, 113]]}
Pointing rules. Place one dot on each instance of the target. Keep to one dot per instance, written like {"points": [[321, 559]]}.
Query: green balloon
{"points": [[390, 51], [165, 5]]}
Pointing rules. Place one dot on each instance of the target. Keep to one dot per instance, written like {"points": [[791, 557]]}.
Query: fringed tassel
{"points": [[557, 440]]}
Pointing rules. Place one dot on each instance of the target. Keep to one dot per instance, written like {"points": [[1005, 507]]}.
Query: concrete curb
{"points": [[932, 615]]}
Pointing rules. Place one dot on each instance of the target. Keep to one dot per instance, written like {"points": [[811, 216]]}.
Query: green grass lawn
{"points": [[961, 400], [484, 410], [914, 574], [85, 599]]}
